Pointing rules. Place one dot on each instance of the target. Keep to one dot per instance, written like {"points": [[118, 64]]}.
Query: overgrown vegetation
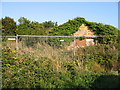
{"points": [[46, 63], [92, 67], [27, 27], [70, 27]]}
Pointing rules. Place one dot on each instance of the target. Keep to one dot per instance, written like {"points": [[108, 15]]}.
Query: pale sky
{"points": [[61, 12]]}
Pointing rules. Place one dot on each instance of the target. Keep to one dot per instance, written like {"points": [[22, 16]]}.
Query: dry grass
{"points": [[97, 67], [55, 55], [41, 50], [58, 57], [0, 45]]}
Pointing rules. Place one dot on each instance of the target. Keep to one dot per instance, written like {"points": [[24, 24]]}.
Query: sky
{"points": [[60, 0], [61, 12]]}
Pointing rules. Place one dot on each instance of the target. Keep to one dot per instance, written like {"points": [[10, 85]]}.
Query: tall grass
{"points": [[44, 66]]}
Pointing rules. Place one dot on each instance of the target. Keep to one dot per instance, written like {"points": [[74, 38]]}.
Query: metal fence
{"points": [[56, 57], [59, 42], [52, 46]]}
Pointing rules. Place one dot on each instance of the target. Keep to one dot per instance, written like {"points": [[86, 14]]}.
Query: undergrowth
{"points": [[94, 68]]}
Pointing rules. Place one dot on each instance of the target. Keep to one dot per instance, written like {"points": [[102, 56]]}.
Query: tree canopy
{"points": [[72, 26], [8, 26], [49, 24], [27, 27]]}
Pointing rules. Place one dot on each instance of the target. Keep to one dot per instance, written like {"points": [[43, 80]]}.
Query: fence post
{"points": [[74, 45], [17, 42]]}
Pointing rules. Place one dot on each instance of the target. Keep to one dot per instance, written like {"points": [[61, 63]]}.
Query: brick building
{"points": [[83, 30]]}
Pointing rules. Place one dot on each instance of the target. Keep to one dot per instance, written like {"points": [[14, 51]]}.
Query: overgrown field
{"points": [[92, 67]]}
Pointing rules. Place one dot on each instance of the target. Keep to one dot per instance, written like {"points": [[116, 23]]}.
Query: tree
{"points": [[27, 27], [23, 20], [56, 24], [1, 27], [37, 28], [49, 24], [8, 26], [68, 28]]}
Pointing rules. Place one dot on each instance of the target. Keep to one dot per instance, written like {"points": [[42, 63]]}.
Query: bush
{"points": [[104, 54], [30, 72]]}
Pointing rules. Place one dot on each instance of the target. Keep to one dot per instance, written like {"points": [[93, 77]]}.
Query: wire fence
{"points": [[52, 46], [42, 60]]}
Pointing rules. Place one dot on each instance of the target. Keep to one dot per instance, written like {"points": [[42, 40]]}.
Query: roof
{"points": [[83, 30]]}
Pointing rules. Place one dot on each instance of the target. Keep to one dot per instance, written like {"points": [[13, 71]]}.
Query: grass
{"points": [[44, 66]]}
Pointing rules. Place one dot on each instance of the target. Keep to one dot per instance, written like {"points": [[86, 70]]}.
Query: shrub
{"points": [[30, 72]]}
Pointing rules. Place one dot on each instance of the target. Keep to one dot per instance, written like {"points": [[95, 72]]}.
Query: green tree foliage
{"points": [[49, 24], [68, 28], [29, 28], [72, 26], [101, 29], [1, 27], [23, 20], [8, 26]]}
